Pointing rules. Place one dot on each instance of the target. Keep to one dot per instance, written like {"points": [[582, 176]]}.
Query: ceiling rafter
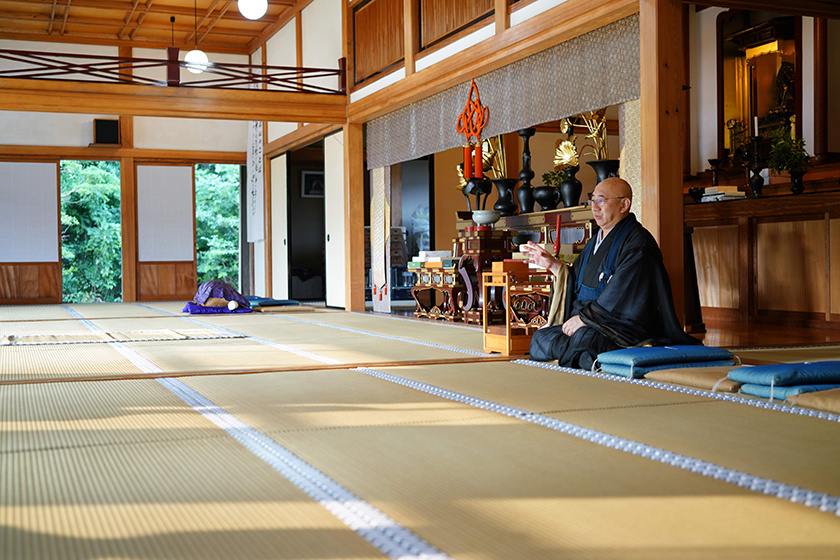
{"points": [[218, 18], [141, 17], [127, 20], [52, 18], [66, 15]]}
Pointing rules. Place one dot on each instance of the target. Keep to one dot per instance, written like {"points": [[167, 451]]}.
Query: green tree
{"points": [[217, 222], [91, 239]]}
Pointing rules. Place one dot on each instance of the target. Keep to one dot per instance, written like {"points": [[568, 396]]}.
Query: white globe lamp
{"points": [[253, 9], [196, 61]]}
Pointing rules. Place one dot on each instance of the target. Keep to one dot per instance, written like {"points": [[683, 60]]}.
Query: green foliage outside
{"points": [[217, 222], [91, 241]]}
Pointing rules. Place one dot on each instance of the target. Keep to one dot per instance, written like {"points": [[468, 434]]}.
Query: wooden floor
{"points": [[736, 335], [726, 334]]}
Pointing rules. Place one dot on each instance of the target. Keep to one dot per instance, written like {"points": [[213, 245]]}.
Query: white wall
{"points": [[20, 128], [281, 50], [190, 134], [322, 38], [703, 78]]}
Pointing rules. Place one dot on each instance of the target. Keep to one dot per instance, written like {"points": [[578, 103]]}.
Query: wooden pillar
{"points": [[411, 33], [662, 133], [354, 218], [128, 203], [820, 89], [502, 12]]}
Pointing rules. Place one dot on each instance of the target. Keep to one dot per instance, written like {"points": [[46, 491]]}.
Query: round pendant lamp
{"points": [[196, 60], [253, 9]]}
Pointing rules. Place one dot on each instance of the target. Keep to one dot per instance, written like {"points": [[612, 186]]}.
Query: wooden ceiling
{"points": [[144, 23]]}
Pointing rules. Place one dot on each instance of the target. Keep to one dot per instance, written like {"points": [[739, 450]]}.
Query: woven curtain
{"points": [[594, 70]]}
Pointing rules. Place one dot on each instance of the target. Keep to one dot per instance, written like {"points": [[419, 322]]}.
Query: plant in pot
{"points": [[596, 124], [787, 153]]}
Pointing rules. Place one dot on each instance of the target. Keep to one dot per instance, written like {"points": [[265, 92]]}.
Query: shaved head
{"points": [[611, 202]]}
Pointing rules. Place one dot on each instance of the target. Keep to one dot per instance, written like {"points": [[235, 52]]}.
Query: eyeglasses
{"points": [[599, 201]]}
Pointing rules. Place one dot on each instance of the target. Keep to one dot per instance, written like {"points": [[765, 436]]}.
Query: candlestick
{"points": [[755, 126], [479, 163], [467, 162]]}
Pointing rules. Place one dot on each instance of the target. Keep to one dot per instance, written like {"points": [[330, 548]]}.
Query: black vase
{"points": [[547, 197], [524, 193], [605, 168], [796, 184], [571, 188], [756, 181], [505, 205]]}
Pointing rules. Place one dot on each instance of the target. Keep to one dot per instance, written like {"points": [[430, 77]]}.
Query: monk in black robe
{"points": [[616, 294]]}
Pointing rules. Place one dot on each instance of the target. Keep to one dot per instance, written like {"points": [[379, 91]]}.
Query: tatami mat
{"points": [[186, 500], [66, 360], [127, 470], [32, 313], [488, 486]]}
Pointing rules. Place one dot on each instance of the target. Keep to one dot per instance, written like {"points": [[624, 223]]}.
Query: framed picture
{"points": [[312, 184]]}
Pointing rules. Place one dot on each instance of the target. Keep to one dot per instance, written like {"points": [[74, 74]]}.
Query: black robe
{"points": [[636, 307]]}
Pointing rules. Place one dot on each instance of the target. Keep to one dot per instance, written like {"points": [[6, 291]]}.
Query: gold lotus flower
{"points": [[462, 183], [565, 154]]}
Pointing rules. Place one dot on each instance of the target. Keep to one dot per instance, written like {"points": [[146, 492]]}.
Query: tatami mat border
{"points": [[759, 403], [818, 500], [368, 521]]}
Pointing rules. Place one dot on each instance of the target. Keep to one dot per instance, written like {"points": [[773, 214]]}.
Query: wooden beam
{"points": [[354, 218], [661, 62], [152, 101], [814, 8], [502, 13], [300, 138], [411, 33], [557, 25], [51, 153]]}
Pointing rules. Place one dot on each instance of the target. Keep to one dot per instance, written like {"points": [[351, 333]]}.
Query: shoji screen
{"points": [[165, 232], [30, 267]]}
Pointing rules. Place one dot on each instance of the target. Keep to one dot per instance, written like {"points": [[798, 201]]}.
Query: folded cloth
{"points": [[256, 301], [216, 289], [782, 392], [799, 373], [635, 362], [705, 378], [640, 371]]}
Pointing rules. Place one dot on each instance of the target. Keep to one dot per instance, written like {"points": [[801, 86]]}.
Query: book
{"points": [[721, 189]]}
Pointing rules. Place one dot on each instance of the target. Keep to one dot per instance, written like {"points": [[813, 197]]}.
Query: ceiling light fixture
{"points": [[253, 9], [196, 60]]}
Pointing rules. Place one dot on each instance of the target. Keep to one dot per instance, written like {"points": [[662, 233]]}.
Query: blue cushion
{"points": [[801, 373], [783, 392], [256, 301], [655, 355], [640, 371]]}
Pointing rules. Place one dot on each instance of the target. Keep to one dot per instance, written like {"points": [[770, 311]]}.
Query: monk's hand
{"points": [[571, 326], [539, 256]]}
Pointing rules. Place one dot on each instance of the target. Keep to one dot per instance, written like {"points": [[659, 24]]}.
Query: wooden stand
{"points": [[505, 331]]}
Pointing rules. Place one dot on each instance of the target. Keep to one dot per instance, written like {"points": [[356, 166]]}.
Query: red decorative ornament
{"points": [[470, 123]]}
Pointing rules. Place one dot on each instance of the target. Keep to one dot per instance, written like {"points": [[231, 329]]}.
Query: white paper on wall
{"points": [[165, 214], [255, 202], [29, 212]]}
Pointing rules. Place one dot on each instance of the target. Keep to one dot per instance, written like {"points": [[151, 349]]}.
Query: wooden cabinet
{"points": [[772, 260]]}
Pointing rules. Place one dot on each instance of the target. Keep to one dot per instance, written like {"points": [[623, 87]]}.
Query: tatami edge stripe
{"points": [[819, 500], [366, 520], [758, 403], [388, 337]]}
